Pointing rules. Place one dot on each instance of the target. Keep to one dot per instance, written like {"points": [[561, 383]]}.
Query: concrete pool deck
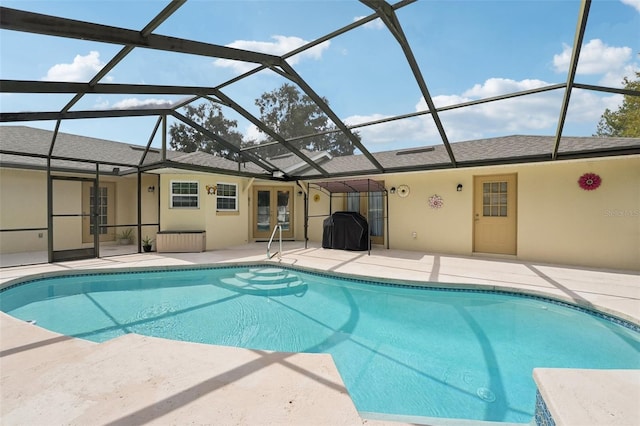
{"points": [[52, 379]]}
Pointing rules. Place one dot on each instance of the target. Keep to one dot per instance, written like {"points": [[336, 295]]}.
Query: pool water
{"points": [[400, 350]]}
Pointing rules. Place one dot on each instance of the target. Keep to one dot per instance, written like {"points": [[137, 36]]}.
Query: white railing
{"points": [[279, 252]]}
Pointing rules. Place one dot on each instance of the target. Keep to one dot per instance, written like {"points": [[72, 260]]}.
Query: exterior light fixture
{"points": [[151, 189], [392, 190], [459, 187]]}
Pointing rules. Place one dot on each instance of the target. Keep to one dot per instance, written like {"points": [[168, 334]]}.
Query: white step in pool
{"points": [[265, 281]]}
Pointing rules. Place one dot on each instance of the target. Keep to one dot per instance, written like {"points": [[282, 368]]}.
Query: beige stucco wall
{"points": [[446, 230], [223, 229], [126, 203], [150, 205], [23, 204], [67, 231], [557, 222], [560, 222], [318, 209]]}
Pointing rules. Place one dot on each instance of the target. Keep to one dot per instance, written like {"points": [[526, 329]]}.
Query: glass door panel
{"points": [[283, 210], [264, 211], [273, 205], [376, 217], [103, 212], [371, 206]]}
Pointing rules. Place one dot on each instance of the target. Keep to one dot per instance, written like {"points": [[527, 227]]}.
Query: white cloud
{"points": [[614, 78], [529, 114], [135, 103], [278, 47], [587, 106], [611, 64], [254, 134], [398, 131], [500, 86], [376, 24], [596, 57], [516, 115], [633, 3], [82, 69]]}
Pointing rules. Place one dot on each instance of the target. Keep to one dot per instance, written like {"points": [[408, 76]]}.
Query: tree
{"points": [[625, 122], [292, 114], [209, 115], [285, 110]]}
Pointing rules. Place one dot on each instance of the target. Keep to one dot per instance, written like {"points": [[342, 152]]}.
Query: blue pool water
{"points": [[399, 350]]}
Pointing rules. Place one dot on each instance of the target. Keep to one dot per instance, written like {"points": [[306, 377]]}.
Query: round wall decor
{"points": [[316, 198], [435, 201], [403, 191], [589, 181]]}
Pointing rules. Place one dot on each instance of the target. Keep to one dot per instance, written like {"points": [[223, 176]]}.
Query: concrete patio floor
{"points": [[52, 379]]}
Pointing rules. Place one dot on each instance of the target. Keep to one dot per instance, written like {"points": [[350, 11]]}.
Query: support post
{"points": [[49, 212], [140, 210], [306, 216], [386, 199], [96, 212]]}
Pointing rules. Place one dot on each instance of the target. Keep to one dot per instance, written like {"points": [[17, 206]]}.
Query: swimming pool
{"points": [[400, 350]]}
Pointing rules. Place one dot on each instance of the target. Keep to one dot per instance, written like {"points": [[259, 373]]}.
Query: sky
{"points": [[465, 50]]}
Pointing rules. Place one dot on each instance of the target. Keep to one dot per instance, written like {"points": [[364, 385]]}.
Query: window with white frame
{"points": [[227, 197], [184, 194]]}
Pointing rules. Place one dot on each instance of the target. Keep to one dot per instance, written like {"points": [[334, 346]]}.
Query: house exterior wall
{"points": [[126, 204], [557, 221], [561, 223], [223, 229], [23, 204], [149, 202], [318, 210], [67, 231], [445, 230]]}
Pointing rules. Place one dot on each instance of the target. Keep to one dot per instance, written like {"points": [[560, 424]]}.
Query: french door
{"points": [[103, 212], [371, 206], [273, 205]]}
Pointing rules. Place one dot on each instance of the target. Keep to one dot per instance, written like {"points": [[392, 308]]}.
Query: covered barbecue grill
{"points": [[351, 230], [345, 231]]}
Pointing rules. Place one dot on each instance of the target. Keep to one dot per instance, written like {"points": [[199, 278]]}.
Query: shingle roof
{"points": [[205, 159], [500, 150], [506, 149], [292, 164], [30, 140]]}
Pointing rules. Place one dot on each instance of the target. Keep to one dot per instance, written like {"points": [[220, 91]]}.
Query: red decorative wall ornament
{"points": [[589, 181]]}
